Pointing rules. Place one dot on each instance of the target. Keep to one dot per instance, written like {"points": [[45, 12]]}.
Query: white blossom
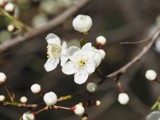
{"points": [[101, 40], [151, 75], [123, 98], [82, 62], [79, 110], [35, 88], [28, 116], [55, 52], [82, 23], [50, 98]]}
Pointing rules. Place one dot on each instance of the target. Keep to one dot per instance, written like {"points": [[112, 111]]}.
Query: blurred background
{"points": [[117, 20]]}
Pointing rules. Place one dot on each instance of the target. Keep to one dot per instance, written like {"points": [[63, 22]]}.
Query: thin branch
{"points": [[50, 25], [145, 49]]}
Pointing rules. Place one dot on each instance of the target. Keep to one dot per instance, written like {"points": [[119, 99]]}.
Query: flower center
{"points": [[82, 63], [53, 50]]}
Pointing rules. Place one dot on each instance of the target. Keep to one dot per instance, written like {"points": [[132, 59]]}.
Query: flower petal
{"points": [[64, 55], [68, 68], [80, 77], [64, 48], [87, 47], [53, 39], [63, 59], [51, 64], [91, 66], [72, 50]]}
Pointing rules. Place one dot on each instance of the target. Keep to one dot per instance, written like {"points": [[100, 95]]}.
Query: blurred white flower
{"points": [[91, 87], [123, 98], [78, 110], [81, 63], [55, 52], [155, 115], [28, 116], [151, 75], [50, 98], [82, 23]]}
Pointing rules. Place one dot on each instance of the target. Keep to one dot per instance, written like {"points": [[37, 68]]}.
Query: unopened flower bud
{"points": [[50, 98], [9, 7], [101, 40], [23, 99], [98, 103], [3, 3], [2, 98], [123, 98], [82, 23], [91, 87], [28, 116], [85, 118], [78, 110], [2, 78], [11, 28], [102, 52], [35, 88], [151, 75]]}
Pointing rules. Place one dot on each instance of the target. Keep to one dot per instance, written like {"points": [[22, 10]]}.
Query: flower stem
{"points": [[155, 105], [12, 97], [61, 107], [63, 98], [41, 110], [19, 24]]}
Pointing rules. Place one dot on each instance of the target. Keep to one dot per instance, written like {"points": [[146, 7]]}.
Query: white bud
{"points": [[102, 52], [91, 87], [35, 88], [151, 75], [79, 110], [123, 98], [23, 99], [101, 40], [98, 103], [10, 28], [28, 116], [3, 2], [155, 115], [2, 98], [2, 78], [9, 7], [82, 23], [50, 98]]}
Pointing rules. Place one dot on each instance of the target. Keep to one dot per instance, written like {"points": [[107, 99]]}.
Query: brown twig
{"points": [[145, 49], [50, 25]]}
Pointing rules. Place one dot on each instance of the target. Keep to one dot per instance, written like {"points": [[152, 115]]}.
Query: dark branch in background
{"points": [[50, 25], [151, 39]]}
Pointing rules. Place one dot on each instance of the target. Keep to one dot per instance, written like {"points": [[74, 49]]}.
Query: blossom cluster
{"points": [[74, 60]]}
